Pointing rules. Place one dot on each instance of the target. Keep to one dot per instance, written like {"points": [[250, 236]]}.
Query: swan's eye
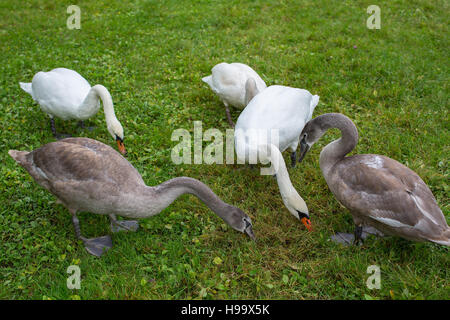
{"points": [[303, 141]]}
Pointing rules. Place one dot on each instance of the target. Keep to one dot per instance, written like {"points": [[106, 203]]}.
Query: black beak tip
{"points": [[249, 232], [303, 151]]}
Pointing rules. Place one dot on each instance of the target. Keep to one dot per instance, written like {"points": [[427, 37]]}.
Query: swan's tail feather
{"points": [[26, 86], [445, 238], [207, 79], [19, 156], [314, 102]]}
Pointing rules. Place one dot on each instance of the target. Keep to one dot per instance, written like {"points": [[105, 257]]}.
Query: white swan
{"points": [[235, 83], [65, 94], [283, 111], [280, 108]]}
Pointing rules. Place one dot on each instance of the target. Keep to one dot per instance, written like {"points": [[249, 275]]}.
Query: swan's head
{"points": [[297, 207], [311, 133], [116, 131], [239, 221]]}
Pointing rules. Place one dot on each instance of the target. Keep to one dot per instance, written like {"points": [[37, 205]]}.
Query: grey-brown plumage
{"points": [[87, 175], [379, 192]]}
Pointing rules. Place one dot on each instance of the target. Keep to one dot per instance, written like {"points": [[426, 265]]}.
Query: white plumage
{"points": [[276, 113], [235, 84], [65, 94], [228, 80], [280, 108], [60, 93]]}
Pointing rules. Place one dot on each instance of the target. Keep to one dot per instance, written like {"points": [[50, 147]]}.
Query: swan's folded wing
{"points": [[60, 91], [83, 159], [388, 192]]}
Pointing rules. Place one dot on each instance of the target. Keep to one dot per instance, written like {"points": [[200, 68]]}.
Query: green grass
{"points": [[151, 55]]}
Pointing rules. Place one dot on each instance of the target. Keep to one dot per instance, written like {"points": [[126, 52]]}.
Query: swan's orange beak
{"points": [[121, 146], [307, 223]]}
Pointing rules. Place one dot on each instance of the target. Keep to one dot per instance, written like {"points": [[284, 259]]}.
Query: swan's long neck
{"points": [[90, 104], [282, 175], [292, 200], [336, 150], [156, 199]]}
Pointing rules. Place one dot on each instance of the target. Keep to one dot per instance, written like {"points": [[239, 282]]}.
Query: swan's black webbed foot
{"points": [[346, 239], [361, 233], [97, 246], [371, 231], [123, 225]]}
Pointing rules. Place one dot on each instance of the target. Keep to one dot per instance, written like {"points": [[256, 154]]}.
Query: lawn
{"points": [[151, 55]]}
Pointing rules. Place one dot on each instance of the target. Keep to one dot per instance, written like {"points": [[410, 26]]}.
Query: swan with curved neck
{"points": [[273, 120], [65, 94], [291, 199], [110, 185], [379, 191]]}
